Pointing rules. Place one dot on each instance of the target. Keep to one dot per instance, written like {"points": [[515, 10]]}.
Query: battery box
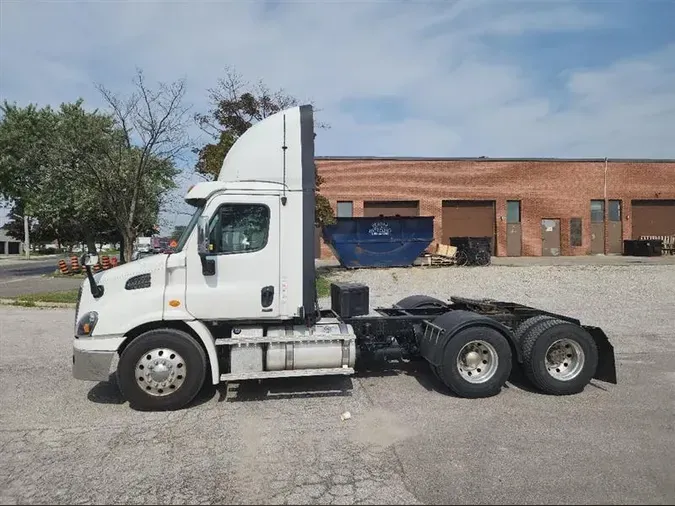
{"points": [[349, 299]]}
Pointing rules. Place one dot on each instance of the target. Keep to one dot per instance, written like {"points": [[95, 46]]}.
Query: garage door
{"points": [[469, 218], [375, 208], [14, 248], [653, 217]]}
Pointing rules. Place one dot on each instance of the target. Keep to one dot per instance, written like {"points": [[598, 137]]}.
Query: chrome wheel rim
{"points": [[564, 359], [477, 361], [160, 372]]}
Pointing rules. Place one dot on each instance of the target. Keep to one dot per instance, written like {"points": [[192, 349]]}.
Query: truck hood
{"points": [[124, 271], [133, 294]]}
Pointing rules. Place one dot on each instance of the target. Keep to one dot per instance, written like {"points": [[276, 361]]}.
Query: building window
{"points": [[513, 211], [345, 209], [614, 211], [597, 211], [575, 231]]}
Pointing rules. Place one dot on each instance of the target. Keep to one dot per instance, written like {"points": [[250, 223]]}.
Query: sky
{"points": [[497, 78]]}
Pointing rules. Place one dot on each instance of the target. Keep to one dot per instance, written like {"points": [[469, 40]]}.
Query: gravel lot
{"points": [[407, 442]]}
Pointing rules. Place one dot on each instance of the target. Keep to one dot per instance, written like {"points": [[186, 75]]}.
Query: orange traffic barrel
{"points": [[63, 267], [105, 262], [113, 261], [74, 264]]}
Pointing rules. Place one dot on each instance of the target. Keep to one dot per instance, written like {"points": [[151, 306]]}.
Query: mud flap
{"points": [[606, 370]]}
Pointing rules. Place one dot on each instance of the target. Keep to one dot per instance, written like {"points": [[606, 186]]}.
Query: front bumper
{"points": [[91, 365]]}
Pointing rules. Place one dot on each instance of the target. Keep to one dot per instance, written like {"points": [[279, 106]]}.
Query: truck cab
{"points": [[236, 291]]}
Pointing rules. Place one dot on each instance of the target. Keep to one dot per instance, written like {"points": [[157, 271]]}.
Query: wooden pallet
{"points": [[436, 261]]}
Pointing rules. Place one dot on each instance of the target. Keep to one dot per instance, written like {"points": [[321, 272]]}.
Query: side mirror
{"points": [[208, 264], [203, 236], [89, 260]]}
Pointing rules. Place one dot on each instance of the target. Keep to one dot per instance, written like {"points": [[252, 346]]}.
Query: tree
{"points": [[26, 140], [39, 234], [34, 163], [149, 136], [93, 174], [236, 106]]}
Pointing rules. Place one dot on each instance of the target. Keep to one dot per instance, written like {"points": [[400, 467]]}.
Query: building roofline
{"points": [[489, 159]]}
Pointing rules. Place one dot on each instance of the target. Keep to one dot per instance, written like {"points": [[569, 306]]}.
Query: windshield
{"points": [[188, 229]]}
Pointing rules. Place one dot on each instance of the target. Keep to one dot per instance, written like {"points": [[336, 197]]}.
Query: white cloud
{"points": [[464, 89]]}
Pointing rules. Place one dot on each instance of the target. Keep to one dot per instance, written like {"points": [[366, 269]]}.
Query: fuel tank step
{"points": [[292, 373], [231, 341]]}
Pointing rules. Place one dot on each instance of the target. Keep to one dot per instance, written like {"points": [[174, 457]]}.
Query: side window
{"points": [[239, 228]]}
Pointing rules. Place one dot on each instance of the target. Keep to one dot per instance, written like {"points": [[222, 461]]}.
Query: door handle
{"points": [[267, 296]]}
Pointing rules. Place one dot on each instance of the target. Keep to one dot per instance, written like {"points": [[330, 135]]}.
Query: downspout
{"points": [[605, 214]]}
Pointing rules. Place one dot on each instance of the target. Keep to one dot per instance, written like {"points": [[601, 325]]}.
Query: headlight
{"points": [[87, 324]]}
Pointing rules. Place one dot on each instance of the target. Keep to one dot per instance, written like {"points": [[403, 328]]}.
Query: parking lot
{"points": [[408, 441]]}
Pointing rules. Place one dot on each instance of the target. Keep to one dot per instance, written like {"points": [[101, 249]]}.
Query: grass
{"points": [[70, 296], [57, 274], [66, 296], [322, 286]]}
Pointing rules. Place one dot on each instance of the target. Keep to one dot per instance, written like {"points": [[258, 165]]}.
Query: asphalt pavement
{"points": [[20, 277], [14, 268], [283, 442]]}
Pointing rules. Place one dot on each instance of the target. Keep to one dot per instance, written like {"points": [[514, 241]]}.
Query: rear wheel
{"points": [[161, 369], [559, 357], [476, 362], [525, 327]]}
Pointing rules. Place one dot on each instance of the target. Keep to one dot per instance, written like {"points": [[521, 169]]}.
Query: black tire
{"points": [[456, 380], [193, 366], [483, 258], [420, 302], [461, 258], [580, 370], [525, 326]]}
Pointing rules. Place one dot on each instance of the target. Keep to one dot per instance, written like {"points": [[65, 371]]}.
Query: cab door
{"points": [[239, 277]]}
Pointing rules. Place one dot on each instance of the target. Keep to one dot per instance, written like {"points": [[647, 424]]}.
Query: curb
{"points": [[53, 305]]}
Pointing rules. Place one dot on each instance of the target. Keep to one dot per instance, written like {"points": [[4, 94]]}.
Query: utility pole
{"points": [[26, 235]]}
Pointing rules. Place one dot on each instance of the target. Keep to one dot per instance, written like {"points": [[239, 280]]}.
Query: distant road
{"points": [[22, 268], [20, 277]]}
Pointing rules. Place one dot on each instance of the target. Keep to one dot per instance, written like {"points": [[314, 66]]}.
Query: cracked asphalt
{"points": [[283, 442]]}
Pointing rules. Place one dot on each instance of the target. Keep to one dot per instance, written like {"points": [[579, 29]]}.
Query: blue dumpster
{"points": [[390, 241]]}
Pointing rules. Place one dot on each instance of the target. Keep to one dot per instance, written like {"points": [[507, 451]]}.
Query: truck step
{"points": [[293, 373], [230, 341]]}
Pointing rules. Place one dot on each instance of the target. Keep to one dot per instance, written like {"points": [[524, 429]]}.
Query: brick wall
{"points": [[546, 188]]}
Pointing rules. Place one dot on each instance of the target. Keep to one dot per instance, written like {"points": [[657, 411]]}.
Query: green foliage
{"points": [[87, 175], [25, 148], [67, 296], [236, 106], [322, 287]]}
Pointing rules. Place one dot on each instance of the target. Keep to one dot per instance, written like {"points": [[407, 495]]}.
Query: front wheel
{"points": [[477, 362], [161, 369]]}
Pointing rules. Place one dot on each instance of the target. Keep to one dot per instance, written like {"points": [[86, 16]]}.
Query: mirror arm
{"points": [[96, 290]]}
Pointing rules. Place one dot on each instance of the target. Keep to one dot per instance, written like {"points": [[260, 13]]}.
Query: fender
{"points": [[445, 327], [205, 335]]}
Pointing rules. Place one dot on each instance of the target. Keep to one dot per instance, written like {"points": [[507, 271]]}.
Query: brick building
{"points": [[530, 207]]}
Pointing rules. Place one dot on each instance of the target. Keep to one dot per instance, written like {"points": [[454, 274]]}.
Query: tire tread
{"points": [[528, 342]]}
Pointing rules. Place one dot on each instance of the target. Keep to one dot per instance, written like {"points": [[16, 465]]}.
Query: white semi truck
{"points": [[236, 300]]}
